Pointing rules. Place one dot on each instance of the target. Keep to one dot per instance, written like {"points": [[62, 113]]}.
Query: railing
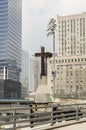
{"points": [[33, 115]]}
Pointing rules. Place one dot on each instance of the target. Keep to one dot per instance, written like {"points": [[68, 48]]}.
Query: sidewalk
{"points": [[81, 126], [68, 125], [78, 125]]}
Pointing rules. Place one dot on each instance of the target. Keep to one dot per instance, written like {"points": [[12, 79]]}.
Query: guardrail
{"points": [[33, 115]]}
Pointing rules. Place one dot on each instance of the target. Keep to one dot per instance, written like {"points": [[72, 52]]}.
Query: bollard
{"points": [[31, 116], [14, 119], [77, 112]]}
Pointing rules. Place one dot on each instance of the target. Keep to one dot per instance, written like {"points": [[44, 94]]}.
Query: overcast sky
{"points": [[35, 17]]}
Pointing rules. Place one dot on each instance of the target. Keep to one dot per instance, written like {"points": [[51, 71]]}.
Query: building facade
{"points": [[35, 71], [24, 77], [70, 76], [72, 34], [10, 39], [70, 64]]}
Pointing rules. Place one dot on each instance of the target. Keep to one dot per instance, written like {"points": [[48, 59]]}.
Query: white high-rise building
{"points": [[24, 77], [35, 71], [70, 64]]}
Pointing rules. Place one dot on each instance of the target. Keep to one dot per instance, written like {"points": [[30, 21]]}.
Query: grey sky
{"points": [[36, 15]]}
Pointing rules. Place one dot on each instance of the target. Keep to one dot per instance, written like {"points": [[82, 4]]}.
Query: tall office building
{"points": [[35, 71], [72, 34], [70, 64], [10, 47], [24, 76]]}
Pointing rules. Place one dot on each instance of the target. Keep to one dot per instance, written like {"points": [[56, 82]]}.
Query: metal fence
{"points": [[32, 115]]}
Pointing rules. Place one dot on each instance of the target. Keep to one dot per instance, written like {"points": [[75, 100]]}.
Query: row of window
{"points": [[68, 53], [69, 60], [72, 21]]}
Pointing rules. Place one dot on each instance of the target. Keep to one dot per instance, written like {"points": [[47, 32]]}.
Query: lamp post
{"points": [[51, 31]]}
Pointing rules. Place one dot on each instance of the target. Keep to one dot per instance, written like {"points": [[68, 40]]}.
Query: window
{"points": [[71, 73], [78, 59], [72, 60], [81, 59], [71, 67]]}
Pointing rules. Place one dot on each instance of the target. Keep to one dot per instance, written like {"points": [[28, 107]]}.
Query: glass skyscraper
{"points": [[10, 39]]}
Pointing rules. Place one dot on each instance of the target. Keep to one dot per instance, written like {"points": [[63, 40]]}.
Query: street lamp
{"points": [[51, 31]]}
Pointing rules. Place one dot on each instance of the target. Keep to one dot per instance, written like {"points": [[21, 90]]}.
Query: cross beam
{"points": [[44, 55]]}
